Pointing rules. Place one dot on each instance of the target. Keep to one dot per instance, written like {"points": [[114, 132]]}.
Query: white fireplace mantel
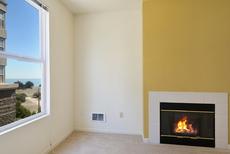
{"points": [[221, 112]]}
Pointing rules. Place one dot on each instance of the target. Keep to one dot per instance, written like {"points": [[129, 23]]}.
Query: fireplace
{"points": [[210, 127], [187, 124]]}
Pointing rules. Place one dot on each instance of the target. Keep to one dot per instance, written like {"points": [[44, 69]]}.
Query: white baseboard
{"points": [[107, 131], [49, 148], [145, 140], [229, 146]]}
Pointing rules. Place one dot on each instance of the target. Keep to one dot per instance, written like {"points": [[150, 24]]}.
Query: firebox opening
{"points": [[184, 126], [187, 124]]}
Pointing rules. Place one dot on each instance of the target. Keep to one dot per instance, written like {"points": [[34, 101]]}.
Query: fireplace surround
{"points": [[196, 110]]}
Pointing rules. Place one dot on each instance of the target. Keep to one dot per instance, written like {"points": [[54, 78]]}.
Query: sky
{"points": [[22, 25]]}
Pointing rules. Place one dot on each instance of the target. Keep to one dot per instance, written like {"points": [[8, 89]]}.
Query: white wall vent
{"points": [[98, 117]]}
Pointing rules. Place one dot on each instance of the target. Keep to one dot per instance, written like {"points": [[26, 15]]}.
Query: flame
{"points": [[182, 126]]}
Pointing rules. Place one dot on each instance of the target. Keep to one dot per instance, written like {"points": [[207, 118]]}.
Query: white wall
{"points": [[37, 137], [108, 64]]}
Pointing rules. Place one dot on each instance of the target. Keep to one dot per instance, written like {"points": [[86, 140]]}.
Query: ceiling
{"points": [[89, 6]]}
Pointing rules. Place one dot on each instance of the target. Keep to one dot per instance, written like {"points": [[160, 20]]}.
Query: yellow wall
{"points": [[186, 47]]}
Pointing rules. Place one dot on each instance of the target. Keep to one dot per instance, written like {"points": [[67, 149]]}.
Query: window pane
{"points": [[2, 43], [2, 19], [22, 28], [2, 15], [2, 70], [1, 78], [20, 95]]}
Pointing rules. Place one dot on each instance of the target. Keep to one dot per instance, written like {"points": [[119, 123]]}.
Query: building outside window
{"points": [[24, 62], [2, 18], [2, 73], [2, 44]]}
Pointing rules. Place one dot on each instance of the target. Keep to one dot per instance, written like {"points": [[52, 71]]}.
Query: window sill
{"points": [[23, 122]]}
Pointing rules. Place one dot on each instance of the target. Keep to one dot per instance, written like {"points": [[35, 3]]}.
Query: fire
{"points": [[183, 126]]}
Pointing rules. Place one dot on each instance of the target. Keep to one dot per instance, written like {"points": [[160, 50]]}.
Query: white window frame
{"points": [[44, 60]]}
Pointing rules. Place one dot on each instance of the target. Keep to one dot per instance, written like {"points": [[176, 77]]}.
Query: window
{"points": [[2, 18], [2, 73], [24, 63], [2, 44]]}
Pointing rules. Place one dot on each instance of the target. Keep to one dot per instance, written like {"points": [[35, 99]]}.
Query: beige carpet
{"points": [[95, 143]]}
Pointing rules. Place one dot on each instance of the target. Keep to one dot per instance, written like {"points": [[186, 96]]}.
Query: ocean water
{"points": [[36, 82]]}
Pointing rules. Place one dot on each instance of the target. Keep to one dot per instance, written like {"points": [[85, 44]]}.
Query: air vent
{"points": [[98, 117]]}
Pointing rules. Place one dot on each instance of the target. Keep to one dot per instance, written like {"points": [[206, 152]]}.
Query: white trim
{"points": [[141, 88], [221, 112], [37, 4], [229, 146], [145, 140], [45, 54], [34, 4], [49, 149], [20, 123], [108, 131], [19, 57]]}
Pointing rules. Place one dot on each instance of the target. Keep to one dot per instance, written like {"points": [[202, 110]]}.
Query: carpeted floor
{"points": [[96, 143]]}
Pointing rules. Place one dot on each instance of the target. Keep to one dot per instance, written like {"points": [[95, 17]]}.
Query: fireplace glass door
{"points": [[187, 124]]}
